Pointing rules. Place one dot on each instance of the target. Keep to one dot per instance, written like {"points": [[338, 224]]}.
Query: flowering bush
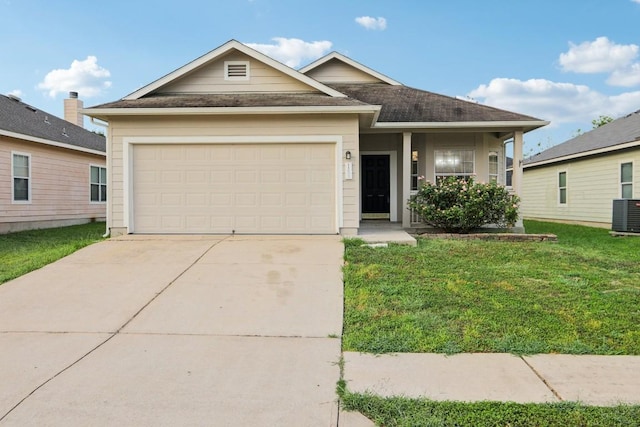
{"points": [[459, 205]]}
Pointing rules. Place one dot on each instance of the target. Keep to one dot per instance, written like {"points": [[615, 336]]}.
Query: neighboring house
{"points": [[53, 172], [577, 181], [236, 142]]}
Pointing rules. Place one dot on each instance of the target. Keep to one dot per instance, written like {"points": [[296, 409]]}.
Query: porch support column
{"points": [[516, 180], [406, 178]]}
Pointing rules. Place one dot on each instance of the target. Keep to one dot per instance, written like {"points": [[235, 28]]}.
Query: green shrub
{"points": [[461, 205]]}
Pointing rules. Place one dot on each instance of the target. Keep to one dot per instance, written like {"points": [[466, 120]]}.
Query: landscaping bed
{"points": [[505, 237]]}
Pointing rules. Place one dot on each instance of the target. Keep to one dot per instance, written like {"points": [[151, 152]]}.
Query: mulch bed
{"points": [[507, 237]]}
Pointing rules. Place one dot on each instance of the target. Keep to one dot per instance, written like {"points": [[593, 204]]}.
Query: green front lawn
{"points": [[26, 251], [425, 413], [578, 296]]}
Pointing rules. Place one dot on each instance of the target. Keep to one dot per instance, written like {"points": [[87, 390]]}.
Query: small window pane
{"points": [[95, 174], [563, 195], [493, 168], [103, 175], [20, 165], [103, 193], [95, 193], [626, 172], [20, 189], [627, 191], [562, 179]]}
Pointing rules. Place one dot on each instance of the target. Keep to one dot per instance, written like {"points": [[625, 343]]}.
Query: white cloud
{"points": [[293, 51], [629, 76], [598, 56], [85, 77], [558, 102], [636, 1], [16, 92], [371, 23]]}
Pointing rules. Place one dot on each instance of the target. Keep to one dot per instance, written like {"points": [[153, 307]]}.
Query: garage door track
{"points": [[183, 330]]}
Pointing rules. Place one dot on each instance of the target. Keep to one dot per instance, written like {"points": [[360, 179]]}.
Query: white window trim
{"points": [[93, 202], [13, 200], [620, 183], [237, 78], [566, 188], [436, 174]]}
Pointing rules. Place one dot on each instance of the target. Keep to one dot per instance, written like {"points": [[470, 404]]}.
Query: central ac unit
{"points": [[626, 215]]}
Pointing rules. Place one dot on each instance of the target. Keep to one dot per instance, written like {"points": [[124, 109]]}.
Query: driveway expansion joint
{"points": [[171, 283]]}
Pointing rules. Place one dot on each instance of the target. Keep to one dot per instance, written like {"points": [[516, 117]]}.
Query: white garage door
{"points": [[242, 188]]}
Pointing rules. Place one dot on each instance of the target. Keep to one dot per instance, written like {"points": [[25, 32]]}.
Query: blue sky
{"points": [[567, 61]]}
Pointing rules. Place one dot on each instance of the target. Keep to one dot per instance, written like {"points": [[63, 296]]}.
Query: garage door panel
{"points": [[221, 177], [248, 188], [221, 200], [268, 200], [197, 200], [246, 177]]}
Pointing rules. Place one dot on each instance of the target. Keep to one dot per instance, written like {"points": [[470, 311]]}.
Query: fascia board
{"points": [[105, 112], [49, 142], [458, 125], [574, 156]]}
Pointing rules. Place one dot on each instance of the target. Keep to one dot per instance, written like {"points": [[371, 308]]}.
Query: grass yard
{"points": [[578, 296], [26, 251], [413, 412]]}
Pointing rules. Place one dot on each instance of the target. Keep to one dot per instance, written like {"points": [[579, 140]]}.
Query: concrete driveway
{"points": [[185, 330]]}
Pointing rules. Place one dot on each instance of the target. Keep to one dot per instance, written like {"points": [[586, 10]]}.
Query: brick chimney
{"points": [[72, 107]]}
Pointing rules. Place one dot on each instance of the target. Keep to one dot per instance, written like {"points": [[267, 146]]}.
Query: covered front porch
{"points": [[393, 164]]}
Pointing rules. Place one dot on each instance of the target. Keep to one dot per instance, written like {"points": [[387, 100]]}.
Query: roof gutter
{"points": [[50, 142], [603, 150]]}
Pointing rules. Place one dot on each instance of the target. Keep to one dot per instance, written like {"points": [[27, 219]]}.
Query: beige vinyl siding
{"points": [[335, 71], [210, 79], [60, 184], [345, 126], [592, 184]]}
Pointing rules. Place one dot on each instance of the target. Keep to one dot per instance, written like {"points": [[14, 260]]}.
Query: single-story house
{"points": [[237, 142], [53, 171], [577, 181]]}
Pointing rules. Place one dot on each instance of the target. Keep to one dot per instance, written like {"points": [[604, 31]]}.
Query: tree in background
{"points": [[601, 121]]}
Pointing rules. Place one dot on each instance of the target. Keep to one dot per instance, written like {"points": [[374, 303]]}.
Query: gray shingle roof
{"points": [[233, 100], [623, 130], [406, 104], [18, 117]]}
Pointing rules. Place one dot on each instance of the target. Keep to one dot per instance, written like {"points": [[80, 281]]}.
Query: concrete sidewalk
{"points": [[176, 330], [591, 380]]}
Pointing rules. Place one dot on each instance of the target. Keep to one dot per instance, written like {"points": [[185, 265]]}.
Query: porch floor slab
{"points": [[385, 232]]}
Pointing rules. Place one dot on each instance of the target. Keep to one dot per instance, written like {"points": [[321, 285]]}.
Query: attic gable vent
{"points": [[236, 70]]}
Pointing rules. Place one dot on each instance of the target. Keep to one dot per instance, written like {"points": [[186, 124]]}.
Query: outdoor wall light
{"points": [[347, 155]]}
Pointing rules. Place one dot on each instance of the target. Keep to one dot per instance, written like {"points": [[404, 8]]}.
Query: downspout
{"points": [[106, 129]]}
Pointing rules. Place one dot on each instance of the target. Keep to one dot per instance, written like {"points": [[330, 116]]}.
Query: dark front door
{"points": [[375, 184]]}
